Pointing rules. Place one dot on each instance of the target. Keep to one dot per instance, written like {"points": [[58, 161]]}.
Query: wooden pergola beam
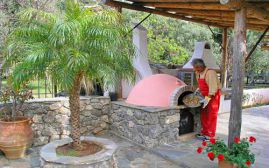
{"points": [[153, 11], [202, 12], [178, 16], [224, 18], [198, 14], [212, 13], [230, 24], [193, 1], [228, 19], [265, 47], [258, 12], [201, 5], [258, 9], [175, 1]]}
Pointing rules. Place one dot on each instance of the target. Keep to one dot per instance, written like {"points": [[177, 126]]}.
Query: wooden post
{"points": [[119, 9], [224, 57], [119, 88], [238, 63]]}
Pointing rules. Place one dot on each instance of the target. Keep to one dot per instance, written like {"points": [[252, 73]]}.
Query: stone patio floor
{"points": [[179, 154]]}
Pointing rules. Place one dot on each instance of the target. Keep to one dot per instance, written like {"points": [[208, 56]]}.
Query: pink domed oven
{"points": [[153, 113], [159, 90]]}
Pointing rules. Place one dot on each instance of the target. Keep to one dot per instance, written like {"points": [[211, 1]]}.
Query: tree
{"points": [[9, 10], [69, 45], [174, 36]]}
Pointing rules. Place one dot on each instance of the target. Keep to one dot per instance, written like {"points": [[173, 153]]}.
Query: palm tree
{"points": [[69, 45]]}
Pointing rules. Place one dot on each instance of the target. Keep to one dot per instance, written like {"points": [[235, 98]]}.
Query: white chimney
{"points": [[140, 62], [203, 51]]}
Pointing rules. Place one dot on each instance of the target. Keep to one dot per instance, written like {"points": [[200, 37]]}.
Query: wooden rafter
{"points": [[231, 23], [201, 5], [163, 13], [174, 0], [208, 12], [258, 12], [202, 12], [265, 47], [229, 19], [193, 1]]}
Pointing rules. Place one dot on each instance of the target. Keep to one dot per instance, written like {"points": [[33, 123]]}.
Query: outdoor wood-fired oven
{"points": [[153, 113]]}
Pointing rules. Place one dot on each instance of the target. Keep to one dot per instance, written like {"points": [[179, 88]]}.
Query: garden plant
{"points": [[239, 154], [68, 45]]}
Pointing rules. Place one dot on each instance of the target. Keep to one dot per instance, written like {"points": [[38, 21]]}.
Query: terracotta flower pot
{"points": [[15, 137], [226, 164]]}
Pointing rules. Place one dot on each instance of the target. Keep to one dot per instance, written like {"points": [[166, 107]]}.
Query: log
{"points": [[230, 24], [258, 9], [203, 12], [201, 5], [238, 63], [224, 19], [119, 9], [224, 57], [158, 12], [231, 20], [186, 0], [218, 24], [211, 13], [174, 0], [265, 47], [221, 16], [258, 12]]}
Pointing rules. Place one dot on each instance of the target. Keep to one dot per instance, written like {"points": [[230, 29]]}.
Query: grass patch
{"points": [[70, 152]]}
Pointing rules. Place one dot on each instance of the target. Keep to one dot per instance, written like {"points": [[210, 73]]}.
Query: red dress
{"points": [[210, 113]]}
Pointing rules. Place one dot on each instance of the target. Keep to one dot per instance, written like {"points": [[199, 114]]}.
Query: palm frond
{"points": [[77, 40], [31, 14]]}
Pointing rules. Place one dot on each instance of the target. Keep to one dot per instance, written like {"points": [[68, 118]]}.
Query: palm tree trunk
{"points": [[74, 102]]}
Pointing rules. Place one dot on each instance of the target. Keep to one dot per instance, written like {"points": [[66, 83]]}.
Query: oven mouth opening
{"points": [[186, 122], [180, 99]]}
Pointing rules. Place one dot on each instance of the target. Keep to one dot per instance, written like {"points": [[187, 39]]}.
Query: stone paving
{"points": [[179, 154]]}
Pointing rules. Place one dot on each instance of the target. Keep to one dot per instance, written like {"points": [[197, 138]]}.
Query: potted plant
{"points": [[15, 130], [69, 45], [238, 156]]}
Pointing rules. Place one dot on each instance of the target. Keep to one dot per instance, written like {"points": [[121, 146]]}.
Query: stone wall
{"points": [[51, 117], [147, 126]]}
